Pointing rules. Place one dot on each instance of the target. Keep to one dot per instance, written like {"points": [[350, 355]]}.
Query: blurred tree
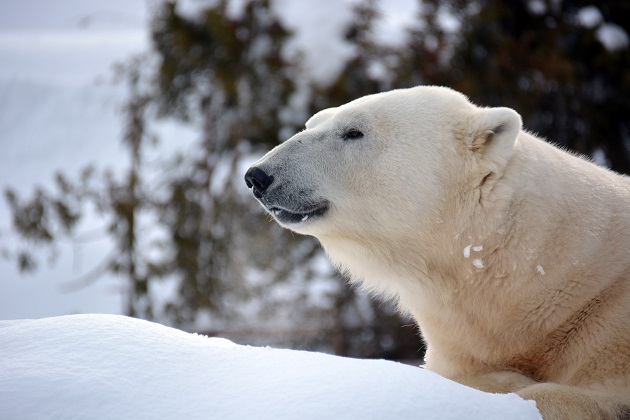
{"points": [[230, 74], [549, 60], [233, 63]]}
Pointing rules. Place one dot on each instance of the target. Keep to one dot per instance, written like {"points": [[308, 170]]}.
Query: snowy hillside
{"points": [[109, 366]]}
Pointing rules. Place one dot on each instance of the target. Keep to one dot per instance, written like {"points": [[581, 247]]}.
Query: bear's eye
{"points": [[352, 135]]}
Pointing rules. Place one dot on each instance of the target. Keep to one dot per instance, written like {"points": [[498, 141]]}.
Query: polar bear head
{"points": [[381, 168], [382, 163]]}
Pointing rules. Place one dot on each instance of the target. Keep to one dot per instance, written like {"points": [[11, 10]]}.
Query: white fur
{"points": [[453, 210]]}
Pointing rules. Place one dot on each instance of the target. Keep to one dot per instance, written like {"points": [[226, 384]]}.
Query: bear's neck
{"points": [[503, 258]]}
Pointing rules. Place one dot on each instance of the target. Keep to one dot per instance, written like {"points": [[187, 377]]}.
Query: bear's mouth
{"points": [[287, 216]]}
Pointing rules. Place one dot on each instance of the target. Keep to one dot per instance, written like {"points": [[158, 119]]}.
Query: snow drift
{"points": [[110, 366]]}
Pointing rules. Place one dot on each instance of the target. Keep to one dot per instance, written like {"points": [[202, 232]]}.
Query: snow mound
{"points": [[110, 366]]}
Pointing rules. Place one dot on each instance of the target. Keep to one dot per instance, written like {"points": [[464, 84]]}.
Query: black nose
{"points": [[258, 180]]}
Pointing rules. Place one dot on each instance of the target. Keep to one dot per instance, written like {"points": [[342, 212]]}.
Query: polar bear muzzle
{"points": [[284, 210]]}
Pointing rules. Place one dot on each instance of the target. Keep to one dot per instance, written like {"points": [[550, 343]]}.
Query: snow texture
{"points": [[467, 251], [613, 37], [478, 263], [590, 17], [110, 366]]}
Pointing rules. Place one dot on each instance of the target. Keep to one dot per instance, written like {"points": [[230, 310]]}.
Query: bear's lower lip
{"points": [[291, 217]]}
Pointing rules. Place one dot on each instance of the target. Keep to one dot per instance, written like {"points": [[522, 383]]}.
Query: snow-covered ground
{"points": [[110, 366]]}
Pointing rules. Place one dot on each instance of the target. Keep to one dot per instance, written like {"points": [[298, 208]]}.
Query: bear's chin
{"points": [[288, 217]]}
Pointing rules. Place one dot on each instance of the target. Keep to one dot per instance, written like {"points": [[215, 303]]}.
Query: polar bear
{"points": [[512, 255]]}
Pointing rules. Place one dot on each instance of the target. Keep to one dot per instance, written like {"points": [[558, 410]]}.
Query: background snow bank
{"points": [[110, 366]]}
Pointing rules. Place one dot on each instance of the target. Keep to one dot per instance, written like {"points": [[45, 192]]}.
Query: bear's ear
{"points": [[493, 132], [320, 117]]}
